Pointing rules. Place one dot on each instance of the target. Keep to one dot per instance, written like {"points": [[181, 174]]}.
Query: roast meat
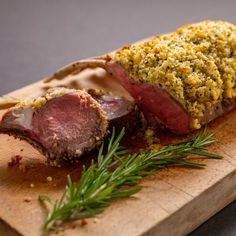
{"points": [[180, 80], [66, 123]]}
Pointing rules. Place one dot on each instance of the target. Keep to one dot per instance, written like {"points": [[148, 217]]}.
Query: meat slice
{"points": [[63, 124], [160, 107], [120, 111], [184, 79], [156, 103]]}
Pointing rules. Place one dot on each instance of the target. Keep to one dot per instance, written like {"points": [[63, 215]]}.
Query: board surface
{"points": [[174, 201]]}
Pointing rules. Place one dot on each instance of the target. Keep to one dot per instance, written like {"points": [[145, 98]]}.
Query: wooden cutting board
{"points": [[174, 201]]}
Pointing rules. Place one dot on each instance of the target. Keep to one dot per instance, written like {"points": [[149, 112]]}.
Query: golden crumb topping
{"points": [[196, 64], [51, 93], [57, 92]]}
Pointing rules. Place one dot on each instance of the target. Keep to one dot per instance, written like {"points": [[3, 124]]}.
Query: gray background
{"points": [[38, 37]]}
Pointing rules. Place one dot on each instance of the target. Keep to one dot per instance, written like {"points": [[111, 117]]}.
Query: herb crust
{"points": [[196, 65]]}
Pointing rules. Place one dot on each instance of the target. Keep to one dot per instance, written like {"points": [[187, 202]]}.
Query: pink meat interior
{"points": [[113, 106], [67, 124], [154, 100]]}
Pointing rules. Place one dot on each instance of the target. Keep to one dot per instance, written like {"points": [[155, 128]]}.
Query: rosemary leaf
{"points": [[115, 175]]}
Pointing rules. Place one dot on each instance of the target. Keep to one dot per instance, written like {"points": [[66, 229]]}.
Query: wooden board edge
{"points": [[7, 229], [218, 196]]}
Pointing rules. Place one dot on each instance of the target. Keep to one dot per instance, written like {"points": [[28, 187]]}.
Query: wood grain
{"points": [[174, 201]]}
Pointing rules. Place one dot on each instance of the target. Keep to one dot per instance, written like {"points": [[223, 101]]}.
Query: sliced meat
{"points": [[184, 79], [153, 101], [62, 125], [161, 107], [120, 111], [66, 123]]}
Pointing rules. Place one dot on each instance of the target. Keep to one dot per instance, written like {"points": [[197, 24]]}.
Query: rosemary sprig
{"points": [[115, 175]]}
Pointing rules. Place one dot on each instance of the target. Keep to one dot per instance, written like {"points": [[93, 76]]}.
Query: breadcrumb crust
{"points": [[196, 65]]}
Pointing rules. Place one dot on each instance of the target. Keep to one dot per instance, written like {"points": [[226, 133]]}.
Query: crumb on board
{"points": [[152, 140], [95, 220], [84, 222], [49, 179], [32, 185], [149, 136], [149, 133], [27, 199], [15, 160]]}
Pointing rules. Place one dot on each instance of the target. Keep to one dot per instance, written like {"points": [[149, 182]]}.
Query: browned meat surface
{"points": [[64, 126]]}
